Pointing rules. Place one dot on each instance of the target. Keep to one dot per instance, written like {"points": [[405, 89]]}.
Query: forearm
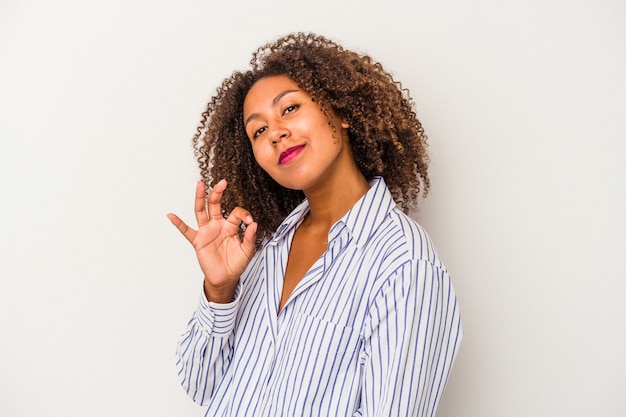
{"points": [[204, 351]]}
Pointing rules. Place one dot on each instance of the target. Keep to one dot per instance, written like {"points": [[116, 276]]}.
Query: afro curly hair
{"points": [[386, 137]]}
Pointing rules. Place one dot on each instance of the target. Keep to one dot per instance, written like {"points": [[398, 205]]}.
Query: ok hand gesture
{"points": [[222, 254]]}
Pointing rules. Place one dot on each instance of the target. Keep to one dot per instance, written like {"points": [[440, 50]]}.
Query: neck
{"points": [[335, 199]]}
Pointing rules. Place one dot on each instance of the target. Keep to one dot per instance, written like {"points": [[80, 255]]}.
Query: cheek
{"points": [[261, 155]]}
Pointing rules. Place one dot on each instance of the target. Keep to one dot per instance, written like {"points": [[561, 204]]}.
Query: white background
{"points": [[524, 105]]}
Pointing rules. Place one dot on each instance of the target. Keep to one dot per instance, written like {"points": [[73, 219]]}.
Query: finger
{"points": [[214, 207], [187, 231], [200, 205], [239, 215], [248, 244]]}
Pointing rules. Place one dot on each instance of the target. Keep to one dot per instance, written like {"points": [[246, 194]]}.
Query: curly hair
{"points": [[386, 137]]}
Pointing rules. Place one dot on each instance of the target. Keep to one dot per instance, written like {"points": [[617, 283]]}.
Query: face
{"points": [[291, 137]]}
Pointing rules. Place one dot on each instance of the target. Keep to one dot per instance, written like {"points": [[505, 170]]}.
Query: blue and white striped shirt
{"points": [[372, 329]]}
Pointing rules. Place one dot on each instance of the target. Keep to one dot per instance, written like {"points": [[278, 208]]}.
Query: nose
{"points": [[278, 133]]}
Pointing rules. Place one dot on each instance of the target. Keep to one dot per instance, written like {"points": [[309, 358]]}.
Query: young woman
{"points": [[321, 296]]}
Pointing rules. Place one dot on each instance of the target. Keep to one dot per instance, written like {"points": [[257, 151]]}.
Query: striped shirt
{"points": [[372, 328]]}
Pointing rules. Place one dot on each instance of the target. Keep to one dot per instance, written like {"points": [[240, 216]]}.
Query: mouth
{"points": [[289, 154]]}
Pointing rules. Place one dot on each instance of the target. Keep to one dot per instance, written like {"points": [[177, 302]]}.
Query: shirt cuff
{"points": [[217, 319]]}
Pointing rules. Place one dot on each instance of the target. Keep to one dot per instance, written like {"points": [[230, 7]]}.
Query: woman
{"points": [[321, 296]]}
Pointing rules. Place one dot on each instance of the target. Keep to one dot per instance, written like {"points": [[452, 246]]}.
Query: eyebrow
{"points": [[274, 101]]}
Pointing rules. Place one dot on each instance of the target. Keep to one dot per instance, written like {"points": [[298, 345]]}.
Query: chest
{"points": [[313, 346], [306, 248]]}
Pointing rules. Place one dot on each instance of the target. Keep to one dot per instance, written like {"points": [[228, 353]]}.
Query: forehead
{"points": [[263, 92]]}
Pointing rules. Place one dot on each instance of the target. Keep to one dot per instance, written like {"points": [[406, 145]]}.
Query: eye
{"points": [[257, 133], [291, 109]]}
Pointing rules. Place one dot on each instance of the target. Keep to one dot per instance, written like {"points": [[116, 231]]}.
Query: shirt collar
{"points": [[292, 220], [367, 214], [361, 220]]}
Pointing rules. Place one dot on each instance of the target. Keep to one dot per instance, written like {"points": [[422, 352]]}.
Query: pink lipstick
{"points": [[289, 154]]}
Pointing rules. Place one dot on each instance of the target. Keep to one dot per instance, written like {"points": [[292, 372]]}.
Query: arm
{"points": [[204, 351], [411, 339]]}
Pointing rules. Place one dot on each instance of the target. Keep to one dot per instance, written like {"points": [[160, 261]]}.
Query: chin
{"points": [[292, 184], [298, 179]]}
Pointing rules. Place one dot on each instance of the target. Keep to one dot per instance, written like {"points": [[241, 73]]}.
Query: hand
{"points": [[222, 254]]}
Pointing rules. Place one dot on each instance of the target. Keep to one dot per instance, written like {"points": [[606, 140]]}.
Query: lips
{"points": [[289, 154]]}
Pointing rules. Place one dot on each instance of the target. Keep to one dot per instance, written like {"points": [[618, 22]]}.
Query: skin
{"points": [[295, 144]]}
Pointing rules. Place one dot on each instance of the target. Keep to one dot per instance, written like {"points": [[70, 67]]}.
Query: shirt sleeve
{"points": [[410, 342], [205, 349]]}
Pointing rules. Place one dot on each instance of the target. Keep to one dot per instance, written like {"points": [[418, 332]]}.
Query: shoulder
{"points": [[402, 238], [407, 262]]}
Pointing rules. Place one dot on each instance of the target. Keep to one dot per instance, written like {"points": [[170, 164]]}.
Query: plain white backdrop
{"points": [[524, 106]]}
